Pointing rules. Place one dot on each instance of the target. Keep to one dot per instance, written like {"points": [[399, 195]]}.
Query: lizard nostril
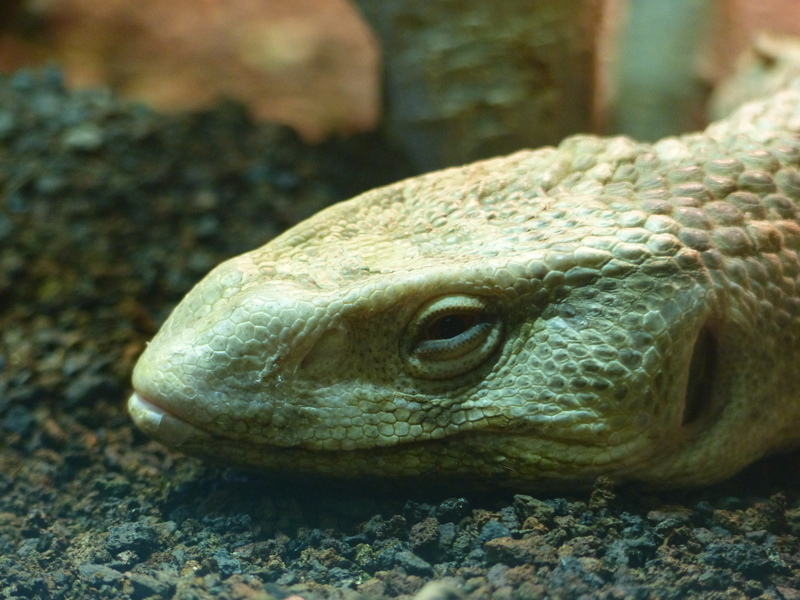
{"points": [[702, 373]]}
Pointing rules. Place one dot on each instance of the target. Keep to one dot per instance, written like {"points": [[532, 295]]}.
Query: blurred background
{"points": [[448, 81]]}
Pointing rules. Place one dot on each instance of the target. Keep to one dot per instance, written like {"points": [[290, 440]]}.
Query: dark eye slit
{"points": [[450, 326]]}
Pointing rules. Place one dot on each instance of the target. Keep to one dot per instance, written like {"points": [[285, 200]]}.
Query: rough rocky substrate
{"points": [[108, 214]]}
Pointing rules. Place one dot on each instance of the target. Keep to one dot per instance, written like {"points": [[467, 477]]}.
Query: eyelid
{"points": [[455, 346], [443, 358]]}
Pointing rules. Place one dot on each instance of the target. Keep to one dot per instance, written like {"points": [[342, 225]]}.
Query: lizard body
{"points": [[606, 307]]}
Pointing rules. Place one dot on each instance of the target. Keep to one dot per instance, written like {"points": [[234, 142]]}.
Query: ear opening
{"points": [[703, 370]]}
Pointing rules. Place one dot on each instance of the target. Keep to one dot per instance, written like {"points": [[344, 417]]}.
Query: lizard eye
{"points": [[450, 326], [450, 336]]}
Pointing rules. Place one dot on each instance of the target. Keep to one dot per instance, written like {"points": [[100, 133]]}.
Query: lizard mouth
{"points": [[157, 422]]}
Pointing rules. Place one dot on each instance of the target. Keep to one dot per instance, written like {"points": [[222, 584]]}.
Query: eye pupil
{"points": [[450, 326]]}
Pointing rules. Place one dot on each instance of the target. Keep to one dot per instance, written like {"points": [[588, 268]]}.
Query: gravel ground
{"points": [[108, 214]]}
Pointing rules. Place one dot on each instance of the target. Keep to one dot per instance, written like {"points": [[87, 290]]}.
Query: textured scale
{"points": [[628, 310]]}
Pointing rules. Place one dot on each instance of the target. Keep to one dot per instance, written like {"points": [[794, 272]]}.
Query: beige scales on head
{"points": [[601, 308]]}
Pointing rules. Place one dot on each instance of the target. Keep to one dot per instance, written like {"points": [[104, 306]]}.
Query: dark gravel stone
{"points": [[379, 528], [570, 573], [140, 537], [424, 535], [745, 557], [18, 419], [526, 506], [528, 550], [99, 574], [413, 564], [228, 564], [452, 509], [146, 586], [446, 536], [492, 530]]}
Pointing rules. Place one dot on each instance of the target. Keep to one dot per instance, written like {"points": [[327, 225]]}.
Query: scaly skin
{"points": [[603, 308]]}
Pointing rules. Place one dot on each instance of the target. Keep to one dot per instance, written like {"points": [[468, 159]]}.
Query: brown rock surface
{"points": [[311, 64]]}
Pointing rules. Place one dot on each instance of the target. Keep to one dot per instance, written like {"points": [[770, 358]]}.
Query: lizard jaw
{"points": [[159, 423]]}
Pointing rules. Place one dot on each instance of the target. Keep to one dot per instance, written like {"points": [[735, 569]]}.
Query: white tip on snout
{"points": [[145, 414]]}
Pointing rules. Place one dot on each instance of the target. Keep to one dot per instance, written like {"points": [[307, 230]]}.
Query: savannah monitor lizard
{"points": [[606, 307]]}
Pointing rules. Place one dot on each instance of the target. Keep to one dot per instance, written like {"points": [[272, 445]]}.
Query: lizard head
{"points": [[532, 319]]}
